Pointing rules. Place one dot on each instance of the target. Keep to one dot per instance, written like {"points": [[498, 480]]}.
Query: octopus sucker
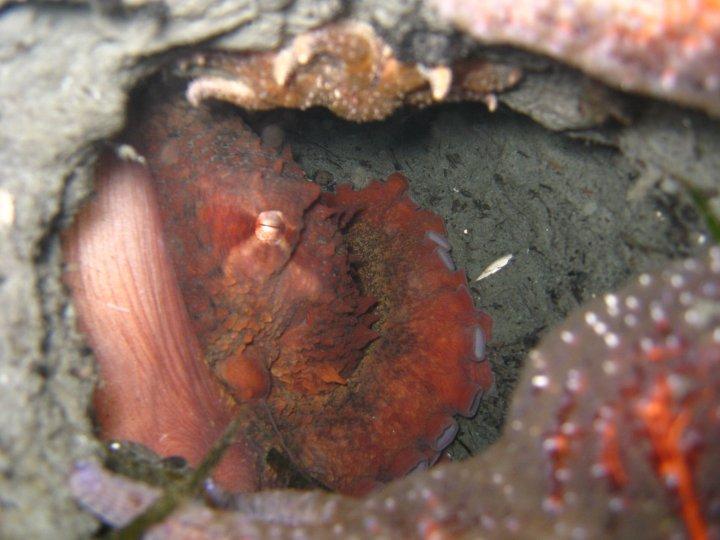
{"points": [[347, 68], [326, 321], [600, 441]]}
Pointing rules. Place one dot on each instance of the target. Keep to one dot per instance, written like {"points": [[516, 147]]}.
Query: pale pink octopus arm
{"points": [[135, 321]]}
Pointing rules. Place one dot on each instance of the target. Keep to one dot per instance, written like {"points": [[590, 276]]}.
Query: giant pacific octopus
{"points": [[213, 280], [614, 432]]}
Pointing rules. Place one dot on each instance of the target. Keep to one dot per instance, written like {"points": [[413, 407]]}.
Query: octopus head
{"points": [[265, 250], [256, 232]]}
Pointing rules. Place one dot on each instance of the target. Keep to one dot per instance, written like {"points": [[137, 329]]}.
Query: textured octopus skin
{"points": [[614, 431], [334, 325]]}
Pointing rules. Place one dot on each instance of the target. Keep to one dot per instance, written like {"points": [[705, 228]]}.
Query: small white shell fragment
{"points": [[7, 208], [495, 266]]}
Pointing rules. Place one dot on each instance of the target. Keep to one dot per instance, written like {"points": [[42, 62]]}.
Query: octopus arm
{"points": [[425, 364], [134, 318]]}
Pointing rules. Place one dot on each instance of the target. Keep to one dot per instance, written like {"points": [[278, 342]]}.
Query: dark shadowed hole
{"points": [[504, 185]]}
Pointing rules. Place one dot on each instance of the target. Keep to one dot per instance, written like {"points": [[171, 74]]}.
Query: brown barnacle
{"points": [[347, 68]]}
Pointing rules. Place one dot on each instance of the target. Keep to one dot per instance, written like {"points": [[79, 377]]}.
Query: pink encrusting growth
{"points": [[614, 432], [332, 323], [666, 48]]}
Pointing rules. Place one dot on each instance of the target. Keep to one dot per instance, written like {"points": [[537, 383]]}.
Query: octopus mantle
{"points": [[335, 325]]}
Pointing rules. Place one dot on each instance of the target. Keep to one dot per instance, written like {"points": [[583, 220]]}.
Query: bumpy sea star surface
{"points": [[347, 68], [666, 48], [337, 322], [614, 431]]}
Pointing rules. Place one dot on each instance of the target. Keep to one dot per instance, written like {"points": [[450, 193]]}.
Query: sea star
{"points": [[669, 48]]}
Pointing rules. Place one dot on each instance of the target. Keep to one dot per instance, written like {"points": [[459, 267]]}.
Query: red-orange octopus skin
{"points": [[337, 322]]}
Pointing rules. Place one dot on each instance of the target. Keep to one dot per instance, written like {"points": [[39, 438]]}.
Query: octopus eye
{"points": [[270, 226]]}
